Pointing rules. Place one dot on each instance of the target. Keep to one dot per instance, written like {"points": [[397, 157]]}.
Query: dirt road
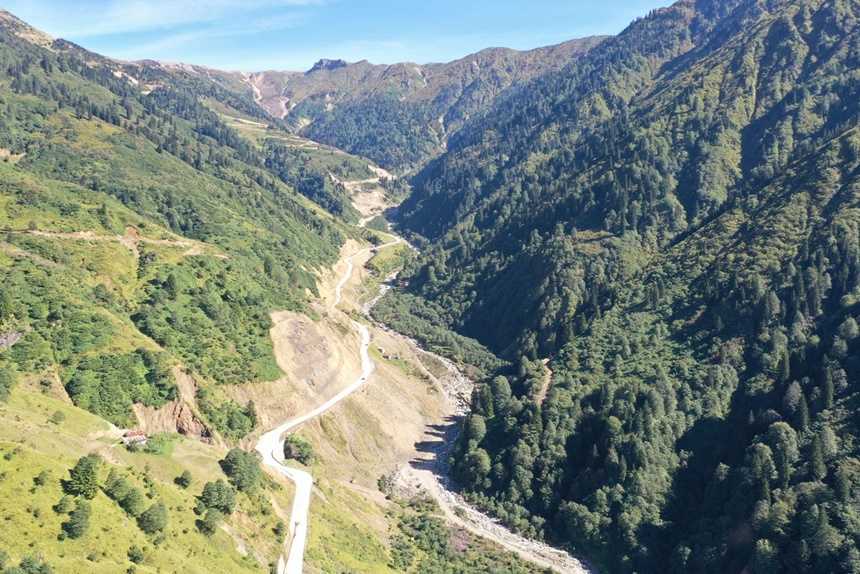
{"points": [[271, 444], [431, 477]]}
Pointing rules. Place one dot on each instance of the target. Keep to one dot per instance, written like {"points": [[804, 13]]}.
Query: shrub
{"points": [[184, 480], [298, 449], [209, 524], [135, 554]]}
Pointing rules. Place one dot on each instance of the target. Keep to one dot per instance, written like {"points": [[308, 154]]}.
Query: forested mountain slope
{"points": [[674, 221], [141, 230], [403, 114]]}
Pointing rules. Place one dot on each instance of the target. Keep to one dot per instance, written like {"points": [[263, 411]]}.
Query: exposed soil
{"points": [[179, 415]]}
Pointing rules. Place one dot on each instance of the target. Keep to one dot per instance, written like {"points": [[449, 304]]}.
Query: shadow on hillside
{"points": [[448, 433]]}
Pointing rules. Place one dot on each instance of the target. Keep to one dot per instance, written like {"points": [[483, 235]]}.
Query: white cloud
{"points": [[99, 18], [166, 47]]}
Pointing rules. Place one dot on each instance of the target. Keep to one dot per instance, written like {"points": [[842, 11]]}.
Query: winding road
{"points": [[271, 447], [271, 444]]}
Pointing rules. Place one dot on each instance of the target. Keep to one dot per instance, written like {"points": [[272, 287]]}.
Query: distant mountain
{"points": [[399, 115]]}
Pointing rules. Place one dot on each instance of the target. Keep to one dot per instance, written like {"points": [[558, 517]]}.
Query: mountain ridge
{"points": [[432, 100]]}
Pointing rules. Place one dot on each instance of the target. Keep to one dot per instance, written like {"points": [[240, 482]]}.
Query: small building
{"points": [[134, 437]]}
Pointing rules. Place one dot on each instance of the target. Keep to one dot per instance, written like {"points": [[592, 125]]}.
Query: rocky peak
{"points": [[326, 64]]}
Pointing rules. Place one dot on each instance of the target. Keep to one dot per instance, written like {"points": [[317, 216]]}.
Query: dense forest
{"points": [[673, 223]]}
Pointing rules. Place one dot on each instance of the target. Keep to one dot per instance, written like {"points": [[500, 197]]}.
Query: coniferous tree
{"points": [[153, 519], [83, 480], [79, 520]]}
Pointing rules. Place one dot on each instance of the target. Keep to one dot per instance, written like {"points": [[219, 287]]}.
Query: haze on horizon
{"points": [[254, 35]]}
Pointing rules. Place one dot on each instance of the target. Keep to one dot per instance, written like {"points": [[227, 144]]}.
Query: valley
{"points": [[591, 307], [427, 473]]}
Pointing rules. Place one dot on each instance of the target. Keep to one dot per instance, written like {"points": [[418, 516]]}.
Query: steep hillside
{"points": [[673, 222], [155, 223], [696, 110]]}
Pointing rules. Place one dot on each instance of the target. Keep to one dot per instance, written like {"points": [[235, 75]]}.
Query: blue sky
{"points": [[253, 35]]}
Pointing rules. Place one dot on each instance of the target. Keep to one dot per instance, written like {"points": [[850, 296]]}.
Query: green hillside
{"points": [[152, 220], [143, 234], [214, 239]]}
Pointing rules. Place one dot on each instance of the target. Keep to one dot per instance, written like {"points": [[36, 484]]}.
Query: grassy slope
{"points": [[55, 447]]}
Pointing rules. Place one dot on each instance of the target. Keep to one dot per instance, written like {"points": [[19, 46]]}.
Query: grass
{"points": [[407, 367], [388, 260], [340, 540], [111, 533], [30, 526]]}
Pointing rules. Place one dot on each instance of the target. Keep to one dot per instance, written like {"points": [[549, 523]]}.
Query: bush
{"points": [[42, 478], [299, 449], [31, 565], [280, 529], [184, 480], [64, 505], [209, 524], [135, 554], [243, 468]]}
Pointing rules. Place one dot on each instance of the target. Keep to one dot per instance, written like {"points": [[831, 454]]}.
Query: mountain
{"points": [[166, 262], [671, 225], [145, 243], [399, 115], [644, 248]]}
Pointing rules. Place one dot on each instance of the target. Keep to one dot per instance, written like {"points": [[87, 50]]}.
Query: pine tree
{"points": [[83, 479], [802, 416], [843, 484], [79, 520], [243, 469], [816, 464], [827, 390], [219, 495], [154, 519]]}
